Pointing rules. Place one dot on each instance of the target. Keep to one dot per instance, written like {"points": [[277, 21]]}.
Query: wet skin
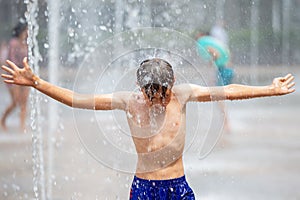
{"points": [[158, 131]]}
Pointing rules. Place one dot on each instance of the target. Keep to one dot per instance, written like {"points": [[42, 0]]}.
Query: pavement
{"points": [[258, 158]]}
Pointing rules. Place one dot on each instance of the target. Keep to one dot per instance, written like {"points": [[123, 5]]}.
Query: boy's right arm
{"points": [[26, 77]]}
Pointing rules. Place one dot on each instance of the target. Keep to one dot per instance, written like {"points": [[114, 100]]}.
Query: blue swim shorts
{"points": [[172, 189]]}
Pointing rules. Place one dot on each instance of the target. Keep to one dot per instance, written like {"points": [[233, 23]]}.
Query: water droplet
{"points": [[71, 32], [46, 45], [103, 28], [138, 118], [178, 11], [129, 115]]}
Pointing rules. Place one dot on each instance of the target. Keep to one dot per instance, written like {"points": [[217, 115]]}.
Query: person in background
{"points": [[17, 50], [225, 72], [213, 49], [3, 52]]}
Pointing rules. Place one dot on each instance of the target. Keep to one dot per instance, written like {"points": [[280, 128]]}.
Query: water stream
{"points": [[37, 137]]}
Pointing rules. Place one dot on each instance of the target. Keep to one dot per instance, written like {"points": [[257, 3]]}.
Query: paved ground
{"points": [[259, 159]]}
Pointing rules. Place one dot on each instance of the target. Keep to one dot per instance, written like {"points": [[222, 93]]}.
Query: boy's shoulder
{"points": [[182, 92]]}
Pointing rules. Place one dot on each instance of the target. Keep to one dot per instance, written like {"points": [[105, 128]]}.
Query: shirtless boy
{"points": [[156, 117]]}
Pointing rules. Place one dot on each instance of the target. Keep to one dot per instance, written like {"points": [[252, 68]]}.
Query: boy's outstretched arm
{"points": [[25, 77], [280, 86]]}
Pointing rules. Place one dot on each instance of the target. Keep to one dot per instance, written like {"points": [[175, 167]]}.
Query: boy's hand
{"points": [[17, 75], [283, 85]]}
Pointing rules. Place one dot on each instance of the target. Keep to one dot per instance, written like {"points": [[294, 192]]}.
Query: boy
{"points": [[156, 117]]}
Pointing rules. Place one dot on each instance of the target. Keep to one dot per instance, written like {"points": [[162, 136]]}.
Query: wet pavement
{"points": [[258, 159]]}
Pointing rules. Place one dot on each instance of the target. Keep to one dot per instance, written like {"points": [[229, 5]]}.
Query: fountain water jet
{"points": [[37, 139], [53, 26]]}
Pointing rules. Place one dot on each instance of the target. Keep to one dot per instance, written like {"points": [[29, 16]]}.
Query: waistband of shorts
{"points": [[159, 183]]}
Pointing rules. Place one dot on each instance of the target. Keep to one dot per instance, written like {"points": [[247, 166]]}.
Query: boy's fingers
{"points": [[291, 90], [13, 65], [287, 76], [9, 70], [9, 81], [291, 85], [25, 62], [7, 76], [290, 79]]}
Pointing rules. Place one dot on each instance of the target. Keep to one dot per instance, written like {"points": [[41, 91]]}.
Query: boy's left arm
{"points": [[280, 86]]}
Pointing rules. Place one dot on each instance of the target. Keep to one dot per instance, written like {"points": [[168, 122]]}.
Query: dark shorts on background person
{"points": [[172, 189]]}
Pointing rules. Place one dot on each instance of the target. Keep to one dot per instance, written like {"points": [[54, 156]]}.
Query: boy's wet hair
{"points": [[154, 74]]}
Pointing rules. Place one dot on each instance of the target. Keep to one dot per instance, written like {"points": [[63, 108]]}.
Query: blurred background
{"points": [[258, 158], [269, 28]]}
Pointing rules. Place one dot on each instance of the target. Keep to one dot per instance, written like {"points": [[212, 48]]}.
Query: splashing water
{"points": [[37, 141], [181, 54]]}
